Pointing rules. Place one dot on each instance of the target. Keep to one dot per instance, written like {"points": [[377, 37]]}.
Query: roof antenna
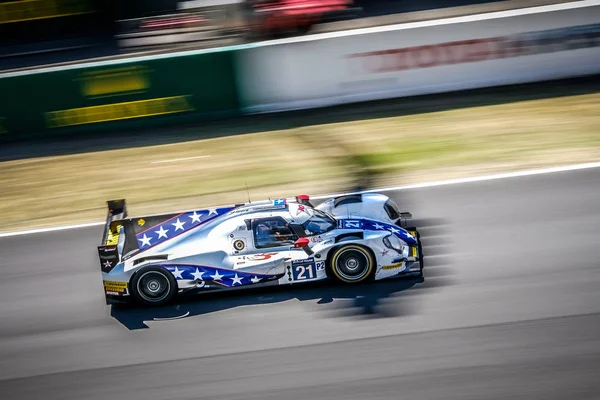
{"points": [[248, 192]]}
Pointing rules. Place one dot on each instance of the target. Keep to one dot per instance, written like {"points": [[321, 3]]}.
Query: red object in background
{"points": [[296, 14]]}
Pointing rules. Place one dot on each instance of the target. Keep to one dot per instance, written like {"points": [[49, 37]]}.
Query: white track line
{"points": [[178, 159], [551, 170], [52, 229], [564, 168]]}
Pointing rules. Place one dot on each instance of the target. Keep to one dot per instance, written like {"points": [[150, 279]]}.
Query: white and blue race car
{"points": [[350, 238]]}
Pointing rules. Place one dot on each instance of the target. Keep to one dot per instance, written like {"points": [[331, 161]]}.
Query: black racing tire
{"points": [[153, 286], [351, 263]]}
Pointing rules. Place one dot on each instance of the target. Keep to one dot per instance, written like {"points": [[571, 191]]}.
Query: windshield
{"points": [[319, 223]]}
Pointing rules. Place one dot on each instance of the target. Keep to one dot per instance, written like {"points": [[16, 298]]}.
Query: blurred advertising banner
{"points": [[118, 95]]}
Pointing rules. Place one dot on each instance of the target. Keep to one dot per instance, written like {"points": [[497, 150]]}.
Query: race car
{"points": [[352, 238]]}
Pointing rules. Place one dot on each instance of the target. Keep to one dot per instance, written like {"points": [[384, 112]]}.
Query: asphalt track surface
{"points": [[510, 308]]}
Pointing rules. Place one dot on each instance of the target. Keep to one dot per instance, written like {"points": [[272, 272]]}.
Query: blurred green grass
{"points": [[314, 159]]}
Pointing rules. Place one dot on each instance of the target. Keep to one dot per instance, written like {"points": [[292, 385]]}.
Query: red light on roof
{"points": [[303, 197]]}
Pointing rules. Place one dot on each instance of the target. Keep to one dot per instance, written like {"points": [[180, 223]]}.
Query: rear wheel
{"points": [[352, 264], [153, 286]]}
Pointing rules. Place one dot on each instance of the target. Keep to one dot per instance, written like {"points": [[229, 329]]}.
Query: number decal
{"points": [[300, 269], [303, 272]]}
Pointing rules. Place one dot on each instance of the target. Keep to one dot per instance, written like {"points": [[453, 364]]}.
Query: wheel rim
{"points": [[352, 265], [153, 286]]}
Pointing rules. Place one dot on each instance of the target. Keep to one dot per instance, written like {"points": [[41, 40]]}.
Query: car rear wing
{"points": [[114, 239], [117, 210]]}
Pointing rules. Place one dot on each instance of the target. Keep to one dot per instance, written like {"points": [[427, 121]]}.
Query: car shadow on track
{"points": [[363, 300]]}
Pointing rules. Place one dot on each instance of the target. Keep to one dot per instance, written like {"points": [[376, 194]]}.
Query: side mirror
{"points": [[303, 244]]}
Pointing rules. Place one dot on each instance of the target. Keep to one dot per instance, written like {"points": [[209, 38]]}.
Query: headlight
{"points": [[393, 242]]}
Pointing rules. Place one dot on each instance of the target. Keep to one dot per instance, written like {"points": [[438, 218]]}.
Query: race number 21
{"points": [[304, 271]]}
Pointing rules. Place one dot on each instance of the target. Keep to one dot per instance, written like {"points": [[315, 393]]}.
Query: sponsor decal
{"points": [[467, 51], [261, 208], [261, 256], [301, 209], [414, 252], [320, 265], [112, 236], [115, 81], [239, 245], [118, 111], [118, 287], [393, 266], [109, 258], [316, 239], [350, 224], [304, 261], [384, 252], [141, 222]]}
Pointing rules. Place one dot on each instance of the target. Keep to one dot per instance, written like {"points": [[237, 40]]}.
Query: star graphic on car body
{"points": [[177, 273], [217, 276], [195, 217], [198, 275], [255, 279], [162, 232], [145, 240], [107, 264], [212, 211], [178, 225], [377, 226], [236, 279]]}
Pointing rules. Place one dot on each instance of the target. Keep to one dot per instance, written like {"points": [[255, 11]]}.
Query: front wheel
{"points": [[352, 264], [153, 286]]}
